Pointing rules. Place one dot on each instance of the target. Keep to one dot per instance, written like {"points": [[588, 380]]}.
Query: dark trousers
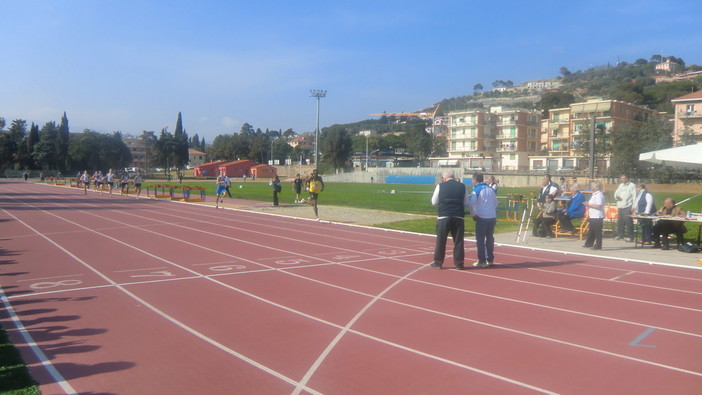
{"points": [[456, 227], [565, 223], [625, 224], [646, 230], [484, 238], [542, 225], [275, 198], [665, 228], [594, 233]]}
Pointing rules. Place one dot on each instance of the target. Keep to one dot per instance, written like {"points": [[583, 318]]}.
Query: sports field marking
{"points": [[636, 341], [50, 278], [432, 284], [36, 350], [180, 324]]}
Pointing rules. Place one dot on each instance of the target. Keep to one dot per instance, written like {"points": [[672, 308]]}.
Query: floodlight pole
{"points": [[318, 94]]}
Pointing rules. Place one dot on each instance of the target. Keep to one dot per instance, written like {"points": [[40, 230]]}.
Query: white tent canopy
{"points": [[686, 156]]}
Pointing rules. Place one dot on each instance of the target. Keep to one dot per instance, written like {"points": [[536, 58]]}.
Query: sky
{"points": [[130, 66]]}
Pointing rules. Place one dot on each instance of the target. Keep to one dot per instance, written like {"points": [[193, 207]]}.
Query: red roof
{"points": [[690, 96]]}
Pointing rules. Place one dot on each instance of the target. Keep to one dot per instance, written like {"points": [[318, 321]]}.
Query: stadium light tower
{"points": [[318, 94]]}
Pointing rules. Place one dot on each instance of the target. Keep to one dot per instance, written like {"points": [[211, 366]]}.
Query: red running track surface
{"points": [[109, 294]]}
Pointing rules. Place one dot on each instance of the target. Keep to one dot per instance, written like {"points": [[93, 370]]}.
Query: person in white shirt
{"points": [[596, 214], [625, 195], [644, 205], [483, 208], [85, 179], [110, 180], [493, 182]]}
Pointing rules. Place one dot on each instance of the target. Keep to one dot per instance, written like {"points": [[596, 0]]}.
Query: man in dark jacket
{"points": [[451, 198]]}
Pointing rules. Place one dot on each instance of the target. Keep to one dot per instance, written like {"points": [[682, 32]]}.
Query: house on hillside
{"points": [[688, 117], [207, 169]]}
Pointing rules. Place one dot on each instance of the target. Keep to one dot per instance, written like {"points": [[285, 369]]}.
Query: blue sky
{"points": [[133, 65]]}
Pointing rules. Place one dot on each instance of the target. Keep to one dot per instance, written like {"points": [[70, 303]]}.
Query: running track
{"points": [[136, 296]]}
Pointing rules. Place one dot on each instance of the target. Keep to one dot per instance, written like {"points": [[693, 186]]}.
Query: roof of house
{"points": [[195, 152], [690, 96]]}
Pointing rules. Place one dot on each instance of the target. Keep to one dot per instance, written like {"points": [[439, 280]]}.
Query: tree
{"points": [[631, 140], [64, 135], [46, 150], [12, 150], [550, 100], [477, 88], [419, 142], [165, 148], [656, 58], [336, 146], [32, 140], [96, 151], [564, 72], [289, 134], [180, 147]]}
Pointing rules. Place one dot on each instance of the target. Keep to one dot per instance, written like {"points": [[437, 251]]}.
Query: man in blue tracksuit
{"points": [[483, 207], [452, 199]]}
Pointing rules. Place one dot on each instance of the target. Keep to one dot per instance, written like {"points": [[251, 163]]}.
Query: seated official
{"points": [[665, 228], [575, 209], [546, 218]]}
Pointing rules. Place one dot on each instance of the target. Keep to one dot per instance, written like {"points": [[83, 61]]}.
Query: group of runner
{"points": [[102, 182], [314, 184]]}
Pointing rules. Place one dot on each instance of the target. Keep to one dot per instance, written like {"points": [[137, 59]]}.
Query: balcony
{"points": [[507, 148], [506, 136], [689, 114]]}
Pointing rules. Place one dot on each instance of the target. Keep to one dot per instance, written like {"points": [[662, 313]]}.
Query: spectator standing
{"points": [[493, 183], [276, 189], [297, 188], [483, 208], [26, 176], [452, 199], [595, 217], [228, 184], [625, 195], [644, 205], [547, 188]]}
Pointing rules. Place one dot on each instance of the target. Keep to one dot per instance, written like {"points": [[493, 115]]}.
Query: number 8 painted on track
{"points": [[52, 284]]}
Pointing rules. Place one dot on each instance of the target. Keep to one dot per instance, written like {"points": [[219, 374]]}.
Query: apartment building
{"points": [[687, 124], [137, 148], [564, 127], [497, 139]]}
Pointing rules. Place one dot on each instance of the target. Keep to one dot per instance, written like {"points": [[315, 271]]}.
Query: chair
{"points": [[581, 227]]}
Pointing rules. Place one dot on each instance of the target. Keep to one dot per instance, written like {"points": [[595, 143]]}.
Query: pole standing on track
{"points": [[526, 230], [521, 224]]}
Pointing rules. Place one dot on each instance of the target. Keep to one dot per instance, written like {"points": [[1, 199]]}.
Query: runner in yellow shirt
{"points": [[315, 184]]}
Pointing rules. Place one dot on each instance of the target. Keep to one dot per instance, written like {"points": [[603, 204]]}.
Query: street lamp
{"points": [[317, 93]]}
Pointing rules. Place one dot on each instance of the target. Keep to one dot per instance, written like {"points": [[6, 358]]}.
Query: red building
{"points": [[208, 169], [264, 171], [238, 168]]}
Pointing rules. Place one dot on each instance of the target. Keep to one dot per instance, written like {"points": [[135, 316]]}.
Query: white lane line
{"points": [[36, 350], [621, 276], [556, 340], [153, 308]]}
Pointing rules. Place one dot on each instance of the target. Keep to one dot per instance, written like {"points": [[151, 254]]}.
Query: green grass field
{"points": [[404, 198]]}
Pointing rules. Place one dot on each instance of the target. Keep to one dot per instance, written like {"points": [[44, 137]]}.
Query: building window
{"points": [[690, 109]]}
